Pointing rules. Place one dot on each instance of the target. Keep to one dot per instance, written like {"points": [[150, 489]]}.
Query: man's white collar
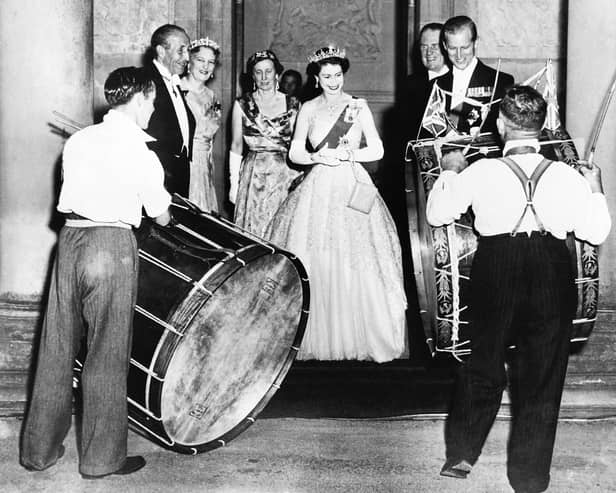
{"points": [[468, 69], [434, 74]]}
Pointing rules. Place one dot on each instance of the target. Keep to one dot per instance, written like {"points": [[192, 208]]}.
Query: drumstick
{"points": [[68, 121], [600, 119]]}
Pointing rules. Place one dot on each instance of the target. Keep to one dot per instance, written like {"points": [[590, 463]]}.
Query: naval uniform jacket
{"points": [[165, 128], [479, 88]]}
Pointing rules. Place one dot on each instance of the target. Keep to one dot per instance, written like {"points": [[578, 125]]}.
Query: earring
{"points": [[316, 83], [254, 86], [277, 86]]}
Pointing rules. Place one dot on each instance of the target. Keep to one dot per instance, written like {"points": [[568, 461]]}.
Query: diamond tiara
{"points": [[328, 52], [207, 42], [263, 54]]}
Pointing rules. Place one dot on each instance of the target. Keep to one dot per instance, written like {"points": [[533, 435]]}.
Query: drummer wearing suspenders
{"points": [[522, 287], [109, 174]]}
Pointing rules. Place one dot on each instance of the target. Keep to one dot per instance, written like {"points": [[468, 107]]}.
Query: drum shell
{"points": [[219, 319]]}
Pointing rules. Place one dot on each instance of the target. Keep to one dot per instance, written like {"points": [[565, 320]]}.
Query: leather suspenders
{"points": [[529, 185]]}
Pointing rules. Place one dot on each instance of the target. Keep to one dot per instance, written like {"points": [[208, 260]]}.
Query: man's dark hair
{"points": [[163, 33], [457, 23], [431, 26], [524, 107], [124, 82]]}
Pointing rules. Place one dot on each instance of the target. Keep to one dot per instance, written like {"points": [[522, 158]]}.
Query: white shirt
{"points": [[434, 74], [109, 173], [461, 79], [563, 199], [173, 85]]}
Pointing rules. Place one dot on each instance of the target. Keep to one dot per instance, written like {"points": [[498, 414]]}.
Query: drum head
{"points": [[235, 351]]}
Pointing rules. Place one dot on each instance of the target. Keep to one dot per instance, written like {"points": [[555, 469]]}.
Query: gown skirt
{"points": [[353, 259]]}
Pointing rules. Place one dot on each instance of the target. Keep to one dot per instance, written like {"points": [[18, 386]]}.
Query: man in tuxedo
{"points": [[470, 78], [419, 83], [172, 123]]}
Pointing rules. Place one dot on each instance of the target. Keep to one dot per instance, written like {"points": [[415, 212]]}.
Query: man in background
{"points": [[172, 124], [419, 83], [470, 78]]}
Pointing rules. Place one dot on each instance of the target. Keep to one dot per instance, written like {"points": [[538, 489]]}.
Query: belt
{"points": [[519, 234], [75, 220], [73, 215]]}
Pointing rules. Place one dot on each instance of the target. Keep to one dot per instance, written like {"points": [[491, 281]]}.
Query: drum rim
{"points": [[245, 422]]}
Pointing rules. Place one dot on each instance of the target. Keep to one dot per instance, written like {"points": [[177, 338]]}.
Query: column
{"points": [[591, 50], [46, 66]]}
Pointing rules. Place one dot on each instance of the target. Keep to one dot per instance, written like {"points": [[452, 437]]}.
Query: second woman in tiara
{"points": [[205, 106], [263, 120], [339, 226]]}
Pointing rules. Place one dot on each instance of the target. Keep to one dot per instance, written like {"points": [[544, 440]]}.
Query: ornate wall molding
{"points": [[299, 26], [126, 25], [517, 28]]}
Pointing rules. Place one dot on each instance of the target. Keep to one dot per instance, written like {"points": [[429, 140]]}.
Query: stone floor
{"points": [[326, 455], [340, 428]]}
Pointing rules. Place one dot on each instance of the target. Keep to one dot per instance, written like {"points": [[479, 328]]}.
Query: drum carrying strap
{"points": [[529, 185]]}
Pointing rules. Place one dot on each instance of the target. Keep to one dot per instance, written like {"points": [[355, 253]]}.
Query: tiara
{"points": [[328, 52], [207, 42], [263, 54]]}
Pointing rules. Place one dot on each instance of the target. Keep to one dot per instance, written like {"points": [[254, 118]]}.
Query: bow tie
{"points": [[174, 80]]}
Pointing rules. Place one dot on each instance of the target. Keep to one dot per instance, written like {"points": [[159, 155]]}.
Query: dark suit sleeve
{"points": [[417, 93]]}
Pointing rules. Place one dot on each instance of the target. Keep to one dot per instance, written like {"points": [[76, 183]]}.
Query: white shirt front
{"points": [[109, 173], [173, 85], [461, 80], [563, 199]]}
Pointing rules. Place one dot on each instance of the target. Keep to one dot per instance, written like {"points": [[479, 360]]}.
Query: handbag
{"points": [[363, 194]]}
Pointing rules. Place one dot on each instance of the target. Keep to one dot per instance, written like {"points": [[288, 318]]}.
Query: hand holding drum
{"points": [[453, 161]]}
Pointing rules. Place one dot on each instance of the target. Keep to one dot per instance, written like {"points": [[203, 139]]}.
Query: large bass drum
{"points": [[442, 256], [219, 319]]}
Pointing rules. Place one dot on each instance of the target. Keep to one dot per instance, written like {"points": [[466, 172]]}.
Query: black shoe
{"points": [[131, 465], [458, 469], [61, 451]]}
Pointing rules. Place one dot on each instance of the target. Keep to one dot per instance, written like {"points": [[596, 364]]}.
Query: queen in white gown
{"points": [[353, 259]]}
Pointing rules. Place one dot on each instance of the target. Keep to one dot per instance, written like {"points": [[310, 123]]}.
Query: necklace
{"points": [[332, 107]]}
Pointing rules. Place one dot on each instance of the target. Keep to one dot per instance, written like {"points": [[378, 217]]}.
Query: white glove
{"points": [[235, 163]]}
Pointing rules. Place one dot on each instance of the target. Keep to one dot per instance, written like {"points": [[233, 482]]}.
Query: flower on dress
{"points": [[215, 109]]}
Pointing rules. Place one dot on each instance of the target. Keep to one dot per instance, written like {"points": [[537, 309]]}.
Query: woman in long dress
{"points": [[349, 247], [206, 109], [264, 121]]}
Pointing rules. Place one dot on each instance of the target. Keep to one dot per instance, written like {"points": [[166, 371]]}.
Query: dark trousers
{"points": [[523, 293], [92, 295], [177, 172]]}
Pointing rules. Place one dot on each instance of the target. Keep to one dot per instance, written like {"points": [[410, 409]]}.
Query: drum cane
{"points": [[600, 120]]}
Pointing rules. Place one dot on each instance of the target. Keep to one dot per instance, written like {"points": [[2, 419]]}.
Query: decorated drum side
{"points": [[442, 256]]}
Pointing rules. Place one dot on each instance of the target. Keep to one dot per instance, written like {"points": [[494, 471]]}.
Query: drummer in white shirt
{"points": [[522, 287], [109, 174]]}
